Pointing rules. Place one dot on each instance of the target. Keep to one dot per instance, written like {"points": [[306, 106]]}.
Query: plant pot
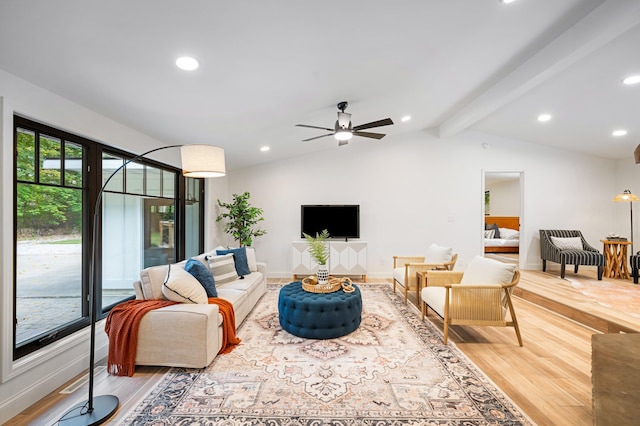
{"points": [[323, 274]]}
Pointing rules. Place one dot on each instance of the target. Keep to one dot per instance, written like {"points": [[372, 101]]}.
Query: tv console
{"points": [[345, 258]]}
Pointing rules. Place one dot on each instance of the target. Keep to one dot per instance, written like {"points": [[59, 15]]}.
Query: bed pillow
{"points": [[222, 268], [489, 233], [239, 259], [181, 286], [509, 234], [493, 226], [438, 254], [483, 270], [571, 243], [200, 272]]}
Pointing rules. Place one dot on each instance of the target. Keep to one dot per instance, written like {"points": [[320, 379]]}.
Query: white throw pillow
{"points": [[572, 243], [489, 233], [487, 271], [223, 268], [438, 254], [181, 286], [152, 279], [509, 234], [251, 259]]}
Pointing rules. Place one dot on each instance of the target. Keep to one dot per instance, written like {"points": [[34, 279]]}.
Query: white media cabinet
{"points": [[345, 258]]}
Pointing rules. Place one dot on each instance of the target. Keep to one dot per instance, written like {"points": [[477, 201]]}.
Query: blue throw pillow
{"points": [[239, 259], [203, 275]]}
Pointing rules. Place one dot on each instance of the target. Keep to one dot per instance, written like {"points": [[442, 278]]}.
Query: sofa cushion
{"points": [[239, 259], [181, 286], [222, 268], [151, 280], [245, 284], [203, 275], [487, 271], [438, 254]]}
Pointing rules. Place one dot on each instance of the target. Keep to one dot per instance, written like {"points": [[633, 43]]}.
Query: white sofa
{"points": [[190, 334]]}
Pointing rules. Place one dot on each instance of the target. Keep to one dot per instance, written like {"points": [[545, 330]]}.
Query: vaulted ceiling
{"points": [[452, 65]]}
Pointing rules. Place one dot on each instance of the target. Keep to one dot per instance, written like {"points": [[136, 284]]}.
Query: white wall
{"points": [[421, 189], [33, 377], [628, 177], [505, 198]]}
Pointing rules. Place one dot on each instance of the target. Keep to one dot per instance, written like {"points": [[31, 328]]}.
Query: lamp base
{"points": [[103, 407]]}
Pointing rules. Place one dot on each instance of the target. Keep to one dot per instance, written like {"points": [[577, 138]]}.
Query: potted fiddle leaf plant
{"points": [[319, 251], [241, 219]]}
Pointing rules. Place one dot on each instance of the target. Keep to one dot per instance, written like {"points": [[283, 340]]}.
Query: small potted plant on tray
{"points": [[319, 251]]}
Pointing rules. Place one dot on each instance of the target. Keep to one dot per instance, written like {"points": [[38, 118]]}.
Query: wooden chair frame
{"points": [[474, 304], [415, 264]]}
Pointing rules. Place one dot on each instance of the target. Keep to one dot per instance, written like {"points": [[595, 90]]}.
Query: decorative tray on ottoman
{"points": [[310, 284]]}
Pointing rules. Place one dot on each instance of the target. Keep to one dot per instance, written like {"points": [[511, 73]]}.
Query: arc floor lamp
{"points": [[629, 197], [198, 161]]}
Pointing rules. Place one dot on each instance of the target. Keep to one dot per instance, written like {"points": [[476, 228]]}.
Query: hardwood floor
{"points": [[549, 378]]}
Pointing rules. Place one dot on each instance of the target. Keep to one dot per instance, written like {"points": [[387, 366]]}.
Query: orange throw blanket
{"points": [[122, 328], [229, 338]]}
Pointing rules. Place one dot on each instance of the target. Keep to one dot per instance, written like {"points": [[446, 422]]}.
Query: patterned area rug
{"points": [[393, 370]]}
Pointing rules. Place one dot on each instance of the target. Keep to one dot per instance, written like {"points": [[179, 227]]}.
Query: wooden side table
{"points": [[615, 256]]}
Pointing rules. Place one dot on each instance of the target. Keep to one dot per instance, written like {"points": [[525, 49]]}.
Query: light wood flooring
{"points": [[549, 378]]}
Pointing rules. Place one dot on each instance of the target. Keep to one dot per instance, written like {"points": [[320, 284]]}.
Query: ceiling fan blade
{"points": [[370, 135], [379, 123], [315, 127], [317, 137]]}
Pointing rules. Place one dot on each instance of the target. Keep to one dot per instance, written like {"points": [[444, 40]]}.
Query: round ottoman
{"points": [[318, 315]]}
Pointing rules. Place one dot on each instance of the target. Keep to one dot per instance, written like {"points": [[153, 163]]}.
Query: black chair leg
{"points": [[600, 273], [575, 269], [562, 268], [544, 265], [634, 272]]}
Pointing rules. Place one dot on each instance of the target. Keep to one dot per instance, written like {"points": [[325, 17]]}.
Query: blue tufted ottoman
{"points": [[318, 315]]}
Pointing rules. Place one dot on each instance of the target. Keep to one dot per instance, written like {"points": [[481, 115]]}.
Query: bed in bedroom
{"points": [[502, 234]]}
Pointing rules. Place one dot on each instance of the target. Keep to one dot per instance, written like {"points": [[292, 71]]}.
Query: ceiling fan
{"points": [[343, 131]]}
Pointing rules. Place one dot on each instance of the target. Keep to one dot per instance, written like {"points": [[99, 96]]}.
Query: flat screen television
{"points": [[342, 221]]}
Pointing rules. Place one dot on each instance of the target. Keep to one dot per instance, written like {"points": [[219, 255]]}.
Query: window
{"points": [[144, 210], [50, 236]]}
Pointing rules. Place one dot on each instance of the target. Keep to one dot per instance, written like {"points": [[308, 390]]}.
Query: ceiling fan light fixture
{"points": [[343, 134]]}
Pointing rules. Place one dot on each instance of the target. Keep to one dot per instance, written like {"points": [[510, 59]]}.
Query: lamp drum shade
{"points": [[202, 161]]}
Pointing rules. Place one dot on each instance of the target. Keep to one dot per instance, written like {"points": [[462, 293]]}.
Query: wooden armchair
{"points": [[483, 298], [405, 269]]}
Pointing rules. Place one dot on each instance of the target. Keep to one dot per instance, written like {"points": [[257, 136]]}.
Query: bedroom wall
{"points": [[505, 198], [416, 190]]}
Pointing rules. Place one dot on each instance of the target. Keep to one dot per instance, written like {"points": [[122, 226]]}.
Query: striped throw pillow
{"points": [[222, 268]]}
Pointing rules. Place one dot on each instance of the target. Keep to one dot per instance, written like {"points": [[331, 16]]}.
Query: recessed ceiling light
{"points": [[632, 79], [265, 149], [507, 1], [544, 117], [187, 63], [620, 132], [405, 118]]}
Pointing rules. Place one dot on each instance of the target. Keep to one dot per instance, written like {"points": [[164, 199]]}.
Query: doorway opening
{"points": [[502, 216]]}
